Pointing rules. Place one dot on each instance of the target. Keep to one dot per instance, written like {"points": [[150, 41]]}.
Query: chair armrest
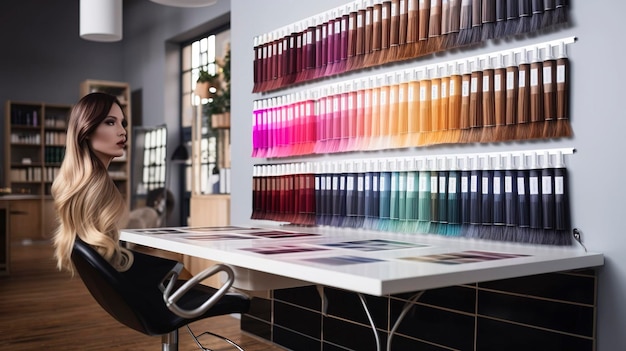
{"points": [[171, 276], [172, 298]]}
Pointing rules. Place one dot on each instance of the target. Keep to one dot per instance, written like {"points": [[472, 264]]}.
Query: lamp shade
{"points": [[186, 3], [101, 20]]}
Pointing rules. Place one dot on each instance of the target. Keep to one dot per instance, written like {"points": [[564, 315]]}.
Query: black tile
{"points": [[350, 335], [564, 317], [298, 319], [461, 298], [347, 305], [330, 347], [497, 336], [261, 308], [295, 341], [401, 343], [441, 327], [306, 296], [256, 327], [558, 286]]}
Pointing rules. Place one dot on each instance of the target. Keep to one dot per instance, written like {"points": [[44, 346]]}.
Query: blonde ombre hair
{"points": [[87, 202]]}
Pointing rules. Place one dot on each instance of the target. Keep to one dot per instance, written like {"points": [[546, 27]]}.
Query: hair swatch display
{"points": [[366, 33], [517, 196], [496, 97]]}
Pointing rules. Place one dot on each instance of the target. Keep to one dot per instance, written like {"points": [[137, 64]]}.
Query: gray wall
{"points": [[43, 59], [597, 119]]}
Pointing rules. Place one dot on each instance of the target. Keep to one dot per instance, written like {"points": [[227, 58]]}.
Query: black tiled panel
{"points": [[564, 317], [294, 341], [306, 296], [347, 305], [330, 347], [346, 326], [351, 336], [298, 319], [497, 336], [257, 327], [401, 343], [437, 326], [460, 298], [557, 286], [585, 271], [261, 308]]}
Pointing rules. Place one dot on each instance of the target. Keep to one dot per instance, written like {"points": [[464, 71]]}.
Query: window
{"points": [[200, 54], [154, 158]]}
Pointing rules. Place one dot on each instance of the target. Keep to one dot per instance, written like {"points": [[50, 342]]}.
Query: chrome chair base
{"points": [[169, 342]]}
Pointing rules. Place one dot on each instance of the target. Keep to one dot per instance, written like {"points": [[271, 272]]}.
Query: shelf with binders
{"points": [[24, 162], [56, 117], [34, 144], [24, 115], [25, 178], [25, 136]]}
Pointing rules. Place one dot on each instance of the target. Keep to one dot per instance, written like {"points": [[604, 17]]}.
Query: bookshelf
{"points": [[34, 148]]}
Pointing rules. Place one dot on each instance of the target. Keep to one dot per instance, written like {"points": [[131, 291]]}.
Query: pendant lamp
{"points": [[101, 20], [186, 3]]}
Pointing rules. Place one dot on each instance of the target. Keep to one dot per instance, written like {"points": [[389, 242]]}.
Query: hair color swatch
{"points": [[520, 197], [496, 97], [366, 33]]}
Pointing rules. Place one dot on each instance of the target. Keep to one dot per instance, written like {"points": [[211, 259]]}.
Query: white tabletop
{"points": [[375, 263]]}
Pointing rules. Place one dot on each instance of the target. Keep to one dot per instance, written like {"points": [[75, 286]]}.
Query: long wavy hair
{"points": [[87, 202]]}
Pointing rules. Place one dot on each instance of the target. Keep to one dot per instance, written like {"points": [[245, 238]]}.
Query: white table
{"points": [[398, 267]]}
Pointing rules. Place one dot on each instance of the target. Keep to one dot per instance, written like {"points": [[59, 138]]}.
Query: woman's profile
{"points": [[87, 202]]}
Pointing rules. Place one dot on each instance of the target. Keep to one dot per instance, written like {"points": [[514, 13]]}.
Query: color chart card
{"points": [[280, 234], [463, 257], [282, 249], [225, 233], [216, 237], [373, 245], [342, 260], [157, 231], [227, 228]]}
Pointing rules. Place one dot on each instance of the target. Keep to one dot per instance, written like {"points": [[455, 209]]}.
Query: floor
{"points": [[42, 308]]}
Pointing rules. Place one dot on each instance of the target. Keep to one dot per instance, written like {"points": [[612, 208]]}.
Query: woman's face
{"points": [[109, 138]]}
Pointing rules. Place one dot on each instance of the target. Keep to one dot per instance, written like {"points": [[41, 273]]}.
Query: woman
{"points": [[87, 201]]}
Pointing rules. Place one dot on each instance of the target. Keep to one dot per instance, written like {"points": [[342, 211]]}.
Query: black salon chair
{"points": [[150, 299]]}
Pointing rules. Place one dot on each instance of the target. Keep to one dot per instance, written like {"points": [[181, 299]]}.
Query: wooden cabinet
{"points": [[210, 210], [49, 222], [25, 221], [119, 169], [34, 148], [4, 238]]}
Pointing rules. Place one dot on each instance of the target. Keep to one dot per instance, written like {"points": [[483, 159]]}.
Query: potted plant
{"points": [[203, 84], [218, 106]]}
